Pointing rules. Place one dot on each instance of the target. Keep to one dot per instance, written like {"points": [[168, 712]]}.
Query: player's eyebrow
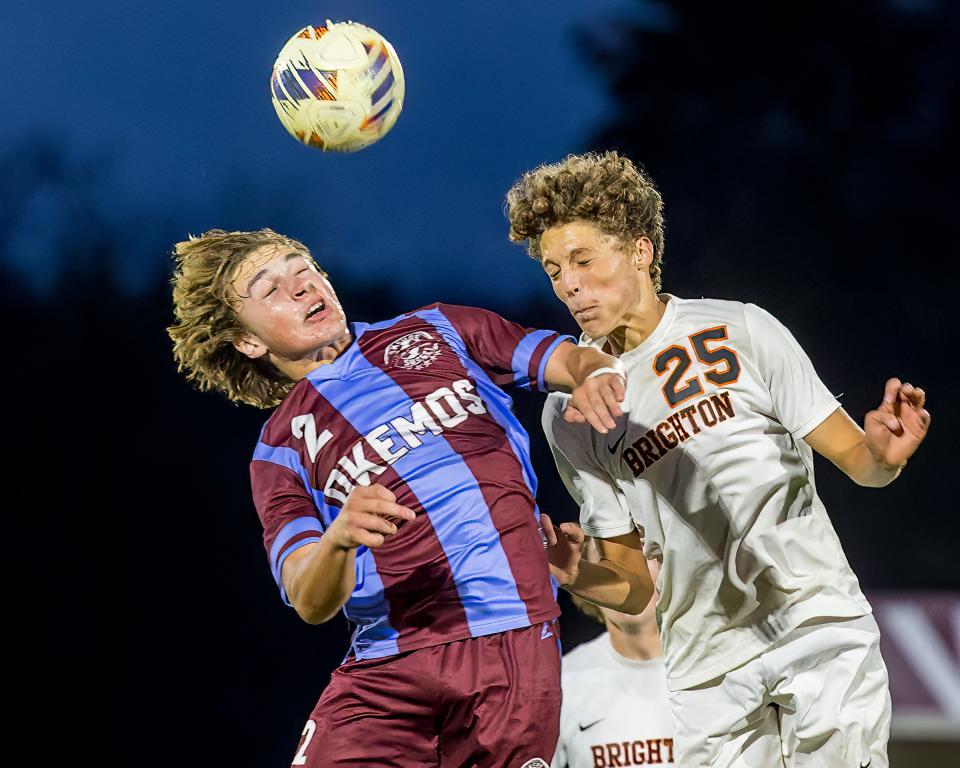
{"points": [[262, 272]]}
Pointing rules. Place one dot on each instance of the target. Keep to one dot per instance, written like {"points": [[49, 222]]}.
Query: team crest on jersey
{"points": [[415, 351], [537, 762]]}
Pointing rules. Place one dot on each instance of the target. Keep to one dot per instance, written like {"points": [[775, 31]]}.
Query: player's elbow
{"points": [[312, 614], [311, 611]]}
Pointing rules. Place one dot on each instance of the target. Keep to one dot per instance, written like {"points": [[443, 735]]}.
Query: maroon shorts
{"points": [[476, 703]]}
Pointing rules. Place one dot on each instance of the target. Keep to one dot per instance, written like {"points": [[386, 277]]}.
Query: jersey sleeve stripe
{"points": [[522, 356], [291, 529], [293, 548], [545, 357]]}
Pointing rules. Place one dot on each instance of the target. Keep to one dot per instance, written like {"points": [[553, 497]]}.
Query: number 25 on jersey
{"points": [[675, 360]]}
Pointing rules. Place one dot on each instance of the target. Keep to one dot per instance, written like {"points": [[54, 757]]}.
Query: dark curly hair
{"points": [[607, 190]]}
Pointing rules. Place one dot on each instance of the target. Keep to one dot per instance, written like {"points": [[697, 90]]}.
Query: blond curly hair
{"points": [[607, 190], [207, 320]]}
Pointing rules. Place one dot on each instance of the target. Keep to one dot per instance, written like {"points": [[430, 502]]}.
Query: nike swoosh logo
{"points": [[613, 448], [590, 725]]}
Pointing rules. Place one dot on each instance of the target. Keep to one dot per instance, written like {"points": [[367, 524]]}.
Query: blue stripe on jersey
{"points": [[522, 354], [369, 610], [289, 458], [497, 401], [302, 543], [291, 529], [498, 404], [448, 492], [541, 383]]}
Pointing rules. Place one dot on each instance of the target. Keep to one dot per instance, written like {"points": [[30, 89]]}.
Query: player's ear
{"points": [[250, 345], [643, 252]]}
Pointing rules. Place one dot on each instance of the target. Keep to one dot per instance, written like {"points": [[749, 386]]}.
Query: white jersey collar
{"points": [[652, 340]]}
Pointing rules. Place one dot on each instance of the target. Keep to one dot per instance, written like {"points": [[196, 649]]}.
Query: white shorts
{"points": [[818, 698]]}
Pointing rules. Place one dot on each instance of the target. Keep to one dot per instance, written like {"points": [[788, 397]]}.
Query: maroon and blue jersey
{"points": [[414, 404]]}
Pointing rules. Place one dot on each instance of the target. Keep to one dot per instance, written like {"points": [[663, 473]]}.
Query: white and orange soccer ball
{"points": [[338, 87]]}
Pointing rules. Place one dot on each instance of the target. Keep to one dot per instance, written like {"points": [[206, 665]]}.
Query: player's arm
{"points": [[319, 577], [528, 358], [875, 455], [620, 580], [596, 381], [872, 456]]}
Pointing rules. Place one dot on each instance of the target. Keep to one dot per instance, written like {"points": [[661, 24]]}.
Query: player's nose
{"points": [[570, 284], [305, 289]]}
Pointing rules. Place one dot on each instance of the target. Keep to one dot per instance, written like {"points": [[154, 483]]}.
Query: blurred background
{"points": [[808, 159]]}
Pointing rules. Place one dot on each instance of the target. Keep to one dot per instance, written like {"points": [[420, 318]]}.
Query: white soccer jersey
{"points": [[710, 466], [615, 710]]}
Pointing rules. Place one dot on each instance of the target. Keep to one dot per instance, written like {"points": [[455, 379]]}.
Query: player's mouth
{"points": [[586, 313], [315, 311]]}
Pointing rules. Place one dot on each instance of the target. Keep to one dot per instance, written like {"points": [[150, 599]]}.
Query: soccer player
{"points": [[393, 481], [772, 654], [615, 710]]}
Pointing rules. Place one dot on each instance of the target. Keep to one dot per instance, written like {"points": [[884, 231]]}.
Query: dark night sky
{"points": [[174, 96]]}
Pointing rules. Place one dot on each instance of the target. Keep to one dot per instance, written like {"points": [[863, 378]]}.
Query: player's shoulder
{"points": [[455, 319], [446, 309], [704, 309], [435, 306], [404, 329], [277, 429]]}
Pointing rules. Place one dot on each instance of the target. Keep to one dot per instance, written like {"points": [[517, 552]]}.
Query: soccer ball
{"points": [[337, 87]]}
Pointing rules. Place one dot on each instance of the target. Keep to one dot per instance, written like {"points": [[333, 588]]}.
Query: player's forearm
{"points": [[612, 586], [583, 361], [860, 464], [569, 366], [322, 582]]}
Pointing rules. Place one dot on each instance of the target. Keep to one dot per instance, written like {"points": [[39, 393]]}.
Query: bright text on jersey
{"points": [[444, 408]]}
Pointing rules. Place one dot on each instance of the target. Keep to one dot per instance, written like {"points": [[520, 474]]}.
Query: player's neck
{"points": [[639, 322], [299, 368], [638, 642]]}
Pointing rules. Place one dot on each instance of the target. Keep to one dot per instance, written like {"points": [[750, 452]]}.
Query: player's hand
{"points": [[563, 549], [369, 516], [895, 430], [598, 401]]}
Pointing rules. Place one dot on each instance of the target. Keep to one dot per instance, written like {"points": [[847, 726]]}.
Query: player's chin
{"points": [[594, 325], [322, 334]]}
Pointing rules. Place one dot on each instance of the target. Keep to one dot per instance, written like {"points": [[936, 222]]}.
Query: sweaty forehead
{"points": [[265, 257]]}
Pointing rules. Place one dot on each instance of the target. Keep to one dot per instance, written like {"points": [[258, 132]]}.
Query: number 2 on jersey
{"points": [[306, 736], [726, 368]]}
